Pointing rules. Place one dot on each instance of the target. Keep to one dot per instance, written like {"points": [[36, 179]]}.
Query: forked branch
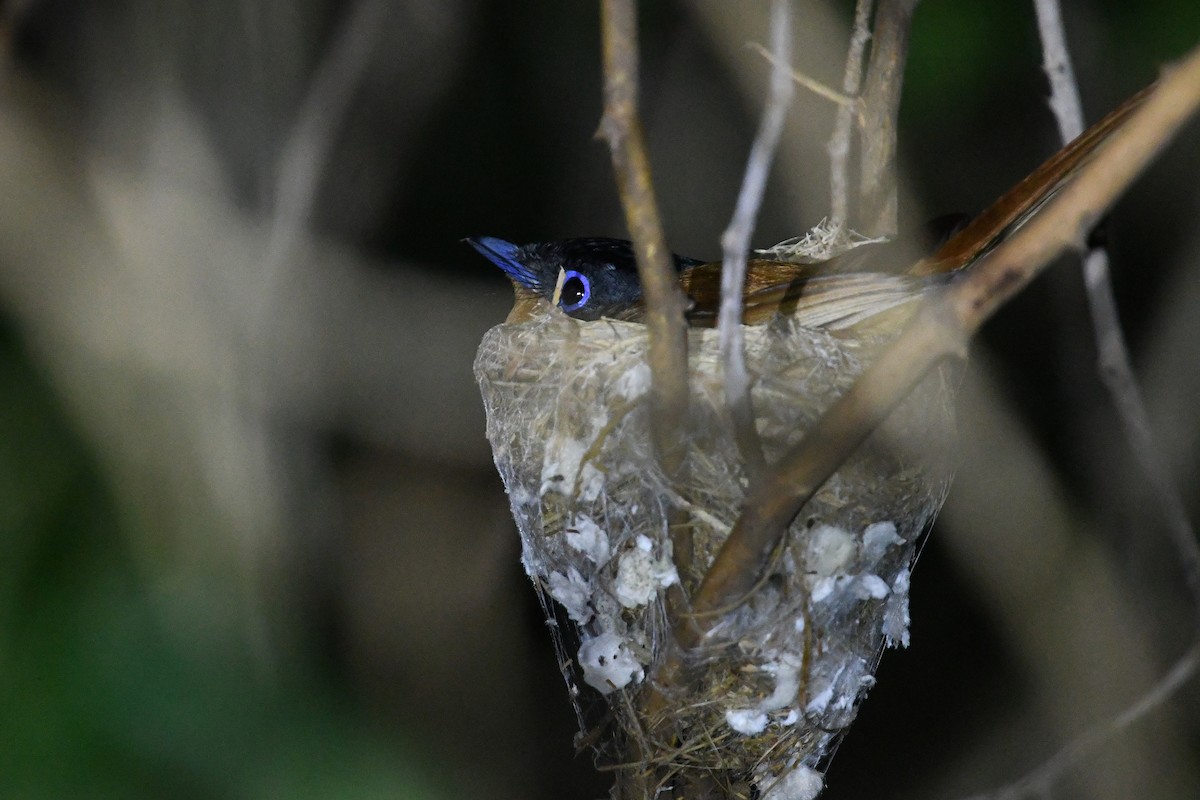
{"points": [[736, 240], [941, 328], [839, 142], [1116, 366]]}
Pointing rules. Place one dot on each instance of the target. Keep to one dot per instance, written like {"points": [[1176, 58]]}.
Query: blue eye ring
{"points": [[575, 296]]}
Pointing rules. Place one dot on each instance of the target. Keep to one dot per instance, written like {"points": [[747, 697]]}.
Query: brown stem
{"points": [[621, 128], [880, 108], [840, 140], [941, 328]]}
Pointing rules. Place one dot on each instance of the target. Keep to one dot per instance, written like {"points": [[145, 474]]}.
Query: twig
{"points": [[1116, 371], [736, 240], [307, 147], [812, 84], [940, 329], [1064, 92], [880, 108], [839, 141], [1041, 779], [1117, 374], [621, 128], [1116, 367]]}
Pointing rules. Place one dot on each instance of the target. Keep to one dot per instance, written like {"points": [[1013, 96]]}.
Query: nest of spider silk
{"points": [[768, 695]]}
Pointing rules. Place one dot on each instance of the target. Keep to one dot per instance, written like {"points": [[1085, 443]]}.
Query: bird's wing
{"points": [[834, 302]]}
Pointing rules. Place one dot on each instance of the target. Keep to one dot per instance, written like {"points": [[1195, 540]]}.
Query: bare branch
{"points": [[1064, 91], [1040, 780], [1116, 367], [880, 108], [307, 147], [736, 239], [1116, 371], [621, 128], [839, 141], [940, 329], [1012, 523], [812, 84]]}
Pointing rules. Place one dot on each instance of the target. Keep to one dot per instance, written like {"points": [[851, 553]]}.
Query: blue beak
{"points": [[506, 256]]}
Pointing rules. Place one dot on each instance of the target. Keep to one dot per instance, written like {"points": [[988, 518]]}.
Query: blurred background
{"points": [[251, 541]]}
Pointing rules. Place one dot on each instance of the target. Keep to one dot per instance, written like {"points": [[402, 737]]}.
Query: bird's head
{"points": [[586, 278]]}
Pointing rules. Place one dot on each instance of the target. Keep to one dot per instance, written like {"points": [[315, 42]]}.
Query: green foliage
{"points": [[101, 698], [957, 48]]}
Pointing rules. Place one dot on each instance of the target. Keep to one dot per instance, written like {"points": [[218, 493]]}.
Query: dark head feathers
{"points": [[587, 278]]}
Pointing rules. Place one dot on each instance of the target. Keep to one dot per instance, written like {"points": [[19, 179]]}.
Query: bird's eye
{"points": [[576, 291]]}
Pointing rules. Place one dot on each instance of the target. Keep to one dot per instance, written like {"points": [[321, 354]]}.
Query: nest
{"points": [[771, 691]]}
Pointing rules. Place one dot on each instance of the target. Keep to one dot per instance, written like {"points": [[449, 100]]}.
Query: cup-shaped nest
{"points": [[764, 699]]}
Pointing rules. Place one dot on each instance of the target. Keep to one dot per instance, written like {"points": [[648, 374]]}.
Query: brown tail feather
{"points": [[986, 230]]}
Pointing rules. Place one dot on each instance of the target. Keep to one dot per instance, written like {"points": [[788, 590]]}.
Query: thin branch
{"points": [[306, 150], [621, 128], [1064, 91], [839, 141], [1116, 371], [812, 84], [1041, 780], [880, 109], [736, 240], [939, 330], [1116, 367]]}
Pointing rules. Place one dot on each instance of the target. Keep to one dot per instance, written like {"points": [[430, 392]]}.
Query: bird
{"points": [[596, 278]]}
